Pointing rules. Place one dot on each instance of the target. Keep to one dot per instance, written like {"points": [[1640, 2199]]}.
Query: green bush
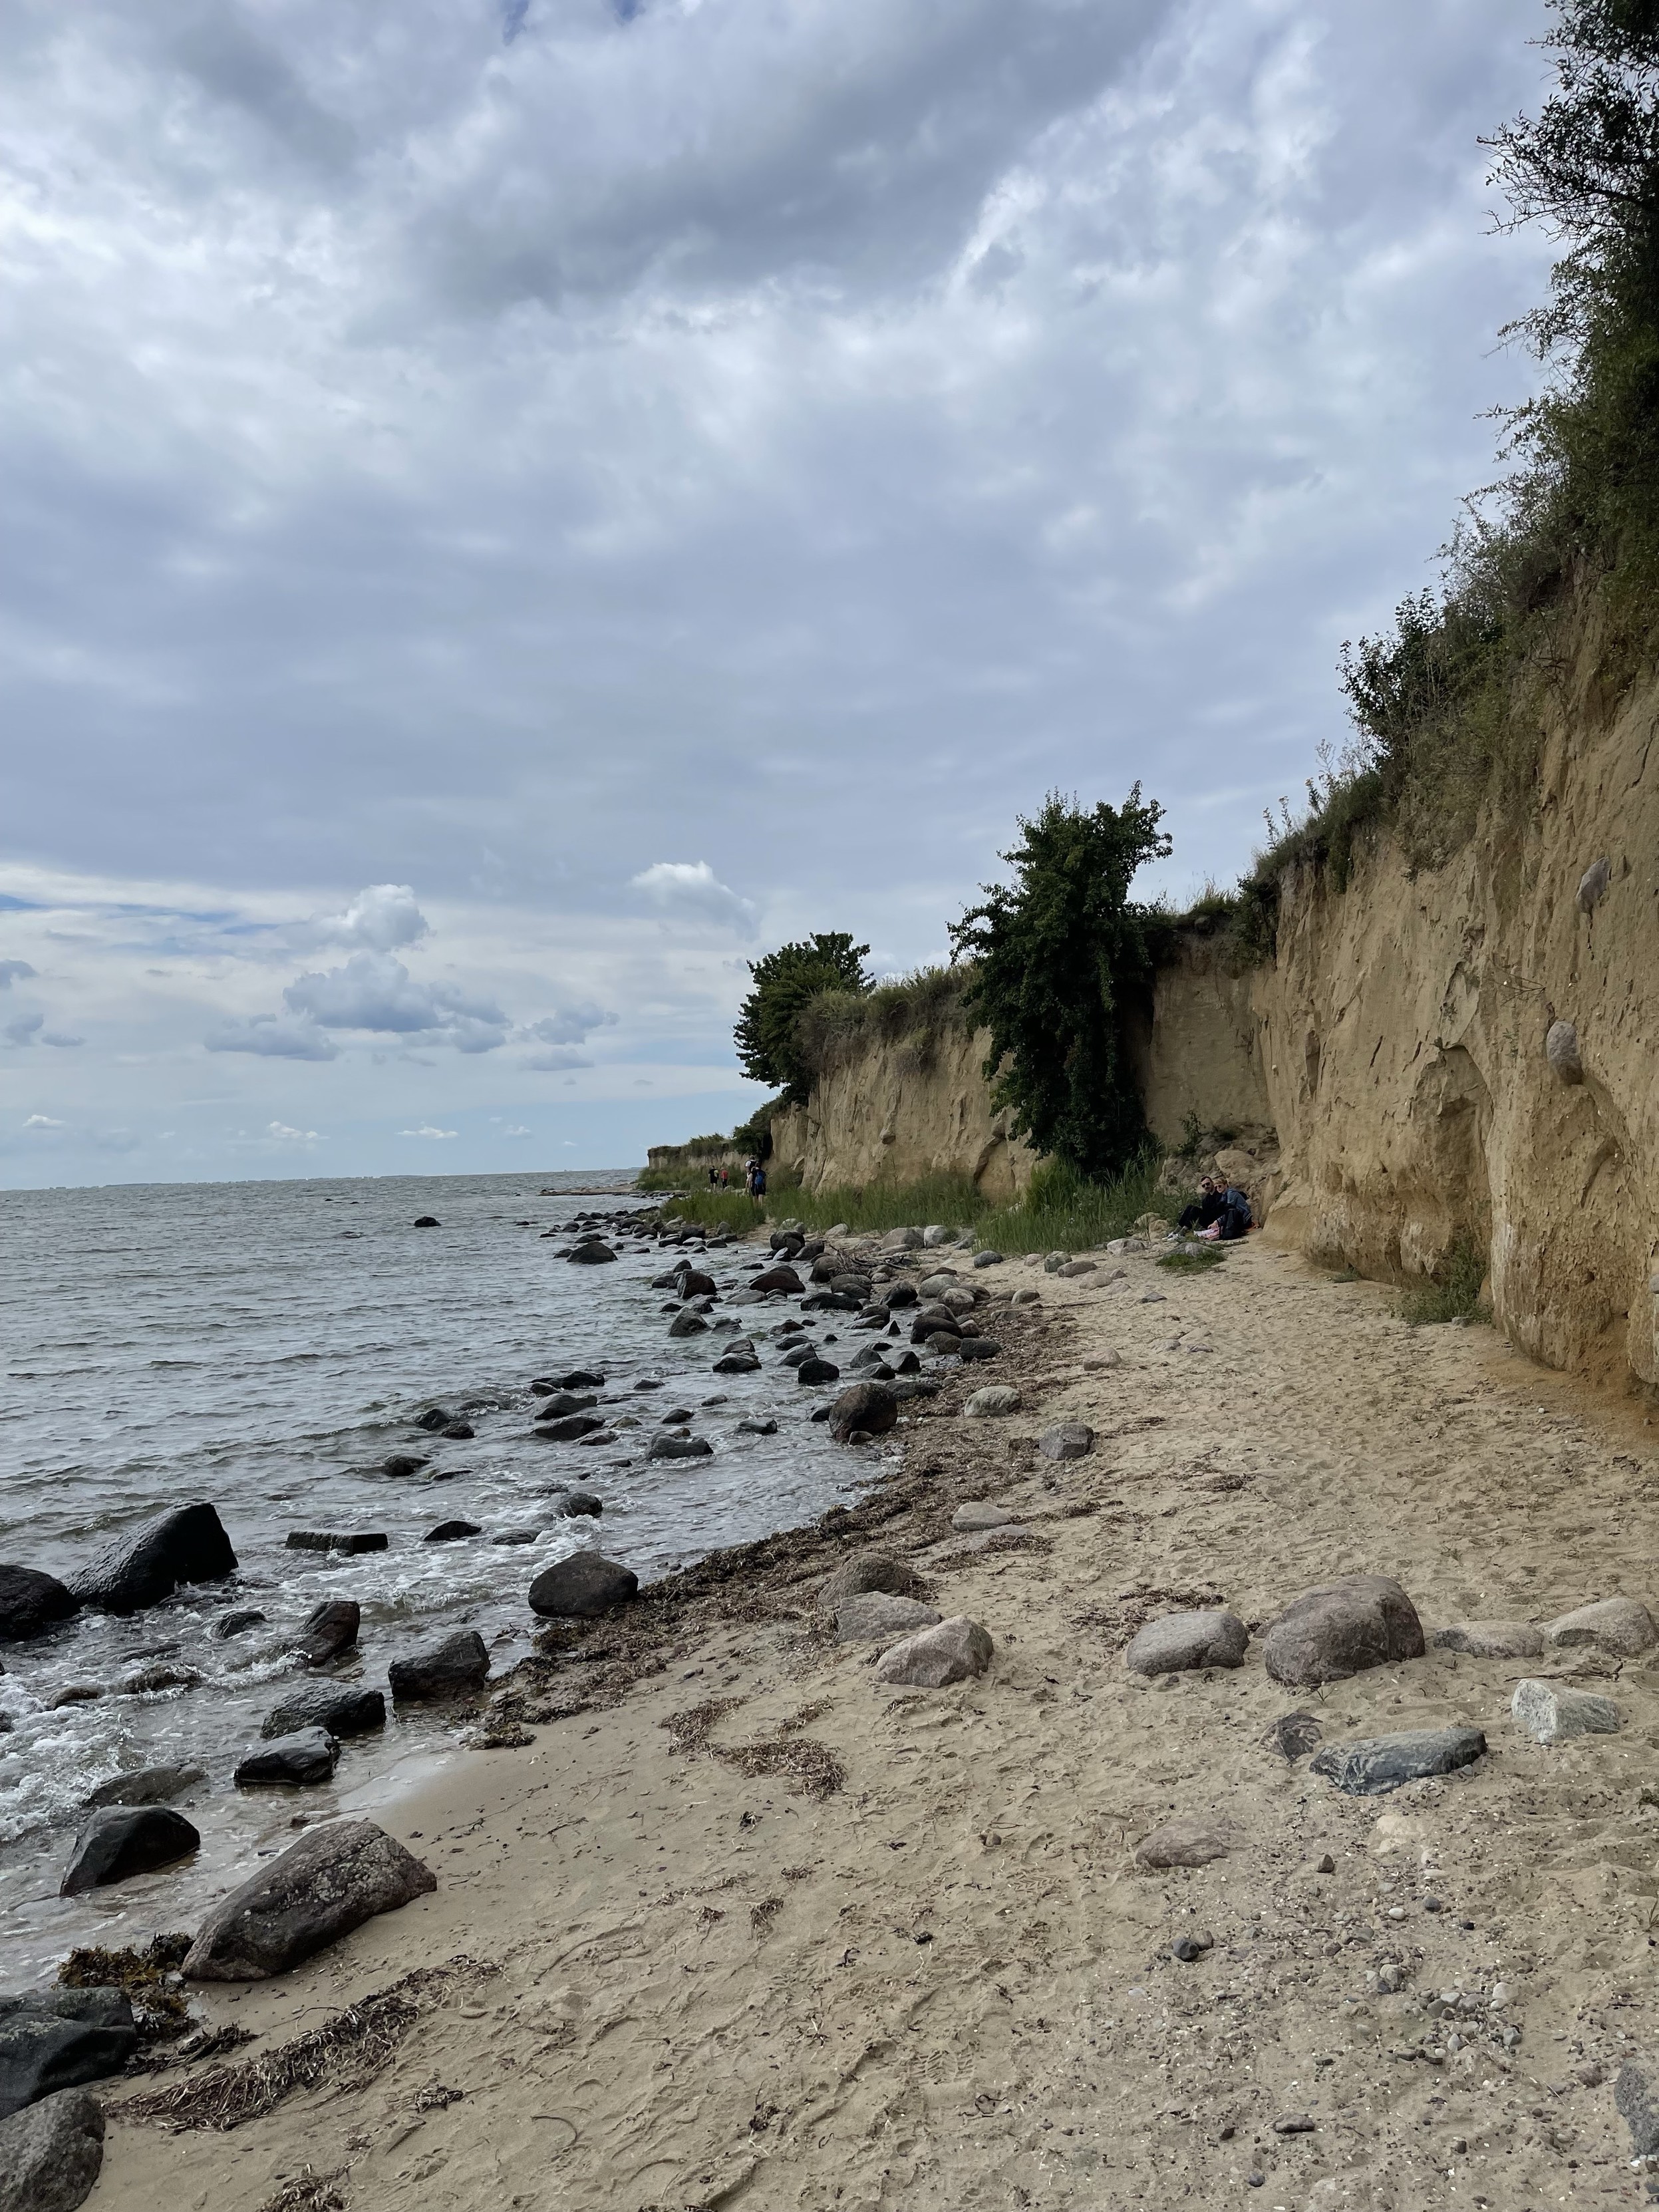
{"points": [[916, 1011], [1452, 1294], [786, 983]]}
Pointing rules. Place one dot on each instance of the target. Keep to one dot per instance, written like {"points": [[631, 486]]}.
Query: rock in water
{"points": [[322, 1888], [51, 2153], [1181, 1641], [1491, 1639], [955, 1652], [577, 1504], [238, 1623], [1371, 1765], [694, 1284], [677, 1447], [1551, 1713], [147, 1785], [780, 1277], [121, 1841], [1067, 1440], [328, 1630], [1340, 1628], [306, 1757], [569, 1430], [872, 1617], [52, 2040], [814, 1370], [452, 1531], [590, 1253], [738, 1362], [688, 1323], [556, 1404], [869, 1407], [1181, 1843], [999, 1399], [186, 1545], [582, 1586], [427, 1221], [448, 1669], [1561, 1050], [398, 1467], [1622, 1626], [340, 1707], [31, 1602]]}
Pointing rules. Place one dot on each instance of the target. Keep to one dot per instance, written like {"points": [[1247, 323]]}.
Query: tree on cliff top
{"points": [[768, 1048], [1059, 955]]}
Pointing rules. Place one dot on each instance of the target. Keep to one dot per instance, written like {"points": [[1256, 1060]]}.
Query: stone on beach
{"points": [[556, 1404], [1181, 1843], [120, 1841], [1340, 1628], [869, 1407], [979, 1514], [1370, 1765], [581, 1587], [998, 1398], [1491, 1639], [988, 1258], [1067, 1440], [342, 1708], [978, 1347], [1636, 2099], [329, 1882], [146, 1785], [1207, 1637], [447, 1669], [53, 2040], [328, 1630], [51, 2153], [306, 1757], [1621, 1627], [874, 1617], [188, 1545], [955, 1652], [1296, 1735], [1550, 1712], [31, 1602]]}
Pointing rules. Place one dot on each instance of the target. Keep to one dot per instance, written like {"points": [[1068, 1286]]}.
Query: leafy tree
{"points": [[785, 981], [1059, 956]]}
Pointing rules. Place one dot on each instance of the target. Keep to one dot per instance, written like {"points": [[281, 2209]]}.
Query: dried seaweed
{"points": [[159, 2013], [309, 2191], [811, 1766], [795, 1723], [344, 2054], [688, 1731], [206, 2043], [761, 1916]]}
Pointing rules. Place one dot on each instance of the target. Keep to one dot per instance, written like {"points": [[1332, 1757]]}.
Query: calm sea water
{"points": [[265, 1346]]}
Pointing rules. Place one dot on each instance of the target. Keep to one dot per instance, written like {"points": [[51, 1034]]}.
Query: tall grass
{"points": [[1063, 1211], [1452, 1295]]}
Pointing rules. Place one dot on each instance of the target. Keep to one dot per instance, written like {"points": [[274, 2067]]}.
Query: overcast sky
{"points": [[513, 509]]}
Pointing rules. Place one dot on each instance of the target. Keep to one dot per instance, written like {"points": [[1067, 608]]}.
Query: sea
{"points": [[265, 1346]]}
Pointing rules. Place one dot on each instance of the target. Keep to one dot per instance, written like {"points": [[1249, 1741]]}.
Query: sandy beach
{"points": [[685, 1969]]}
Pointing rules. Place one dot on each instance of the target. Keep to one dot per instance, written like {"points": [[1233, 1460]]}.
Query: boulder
{"points": [[1181, 1641], [1075, 1268], [797, 1352], [694, 1284], [579, 1378], [870, 1408], [329, 1882], [160, 1676], [569, 1430], [53, 2040], [452, 1531], [865, 1571], [1491, 1639], [688, 1323], [936, 1234], [328, 1630], [904, 1240], [765, 1428], [31, 1602], [955, 1652], [679, 1447], [51, 2153], [577, 1504], [1067, 1440], [447, 1669], [978, 1347], [427, 1221], [147, 1785], [120, 1841], [556, 1404], [237, 1623], [735, 1362], [342, 1708], [434, 1419], [1374, 1764], [188, 1545], [398, 1467], [780, 1277], [979, 1514], [873, 1617], [1181, 1843], [308, 1756], [590, 1253], [1550, 1712], [1561, 1050], [942, 1343], [333, 1539], [894, 1295], [813, 1369], [988, 1258], [582, 1586], [1340, 1628], [459, 1431], [1621, 1627], [999, 1398]]}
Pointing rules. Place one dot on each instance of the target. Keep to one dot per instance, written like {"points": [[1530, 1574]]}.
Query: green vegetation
{"points": [[1061, 958], [785, 982], [1452, 1294], [1193, 1263], [1066, 1211], [914, 1010]]}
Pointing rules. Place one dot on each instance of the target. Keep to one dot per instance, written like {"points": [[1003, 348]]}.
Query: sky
{"points": [[517, 506]]}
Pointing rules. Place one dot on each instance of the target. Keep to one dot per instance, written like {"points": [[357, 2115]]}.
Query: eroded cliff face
{"points": [[896, 1113]]}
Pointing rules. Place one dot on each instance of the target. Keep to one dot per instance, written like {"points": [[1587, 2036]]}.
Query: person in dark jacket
{"points": [[1209, 1206], [1235, 1215]]}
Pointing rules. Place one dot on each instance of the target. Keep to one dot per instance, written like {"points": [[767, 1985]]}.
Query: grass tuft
{"points": [[1452, 1294], [1193, 1263]]}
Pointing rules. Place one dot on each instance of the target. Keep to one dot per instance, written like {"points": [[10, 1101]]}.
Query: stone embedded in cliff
{"points": [[1550, 1712], [874, 1617], [31, 1602], [1561, 1050], [51, 2153], [581, 1587], [1180, 1642], [121, 1841], [1491, 1639], [328, 1630], [869, 1406], [1621, 1627], [319, 1889], [955, 1652], [1593, 885], [445, 1669], [188, 1545], [1636, 2099], [1181, 1843], [1340, 1628], [1373, 1766], [999, 1399], [54, 2039]]}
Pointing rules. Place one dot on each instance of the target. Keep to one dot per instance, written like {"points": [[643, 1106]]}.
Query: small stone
{"points": [[570, 1429], [955, 1652], [1181, 1843], [873, 1617], [970, 1348], [578, 1504], [999, 1398], [1372, 1765], [1067, 1440], [1181, 1641], [1187, 1949], [1293, 2124], [306, 1757], [1325, 1864], [988, 1258], [1491, 1639], [452, 1531], [1561, 1050], [757, 1428], [980, 1514], [1551, 1713], [1621, 1627], [399, 1465]]}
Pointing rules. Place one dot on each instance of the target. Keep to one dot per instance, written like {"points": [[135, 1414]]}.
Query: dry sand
{"points": [[947, 1985]]}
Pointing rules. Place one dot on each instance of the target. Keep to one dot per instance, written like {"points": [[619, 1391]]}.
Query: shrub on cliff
{"points": [[1063, 955], [786, 983]]}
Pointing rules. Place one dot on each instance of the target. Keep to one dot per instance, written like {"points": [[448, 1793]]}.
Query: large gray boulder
{"points": [[31, 1602], [1374, 1764], [1181, 1641], [868, 1408], [679, 1447], [865, 1571], [582, 1586], [52, 2040], [1621, 1627], [119, 1841], [322, 1888], [342, 1708], [448, 1669], [328, 1630], [306, 1757], [147, 1785], [188, 1545], [955, 1652], [51, 2153], [1340, 1628], [872, 1617], [556, 1404]]}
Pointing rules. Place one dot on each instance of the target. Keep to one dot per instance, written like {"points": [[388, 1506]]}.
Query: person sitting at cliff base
{"points": [[1208, 1207]]}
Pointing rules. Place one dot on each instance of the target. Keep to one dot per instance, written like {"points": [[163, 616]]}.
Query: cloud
{"points": [[272, 1037], [427, 1130], [516, 1129], [57, 1037], [42, 1121], [692, 887], [24, 1029], [280, 1131], [13, 971], [569, 1024], [374, 992], [552, 1063], [382, 916]]}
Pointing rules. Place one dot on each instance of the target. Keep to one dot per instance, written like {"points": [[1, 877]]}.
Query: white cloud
{"points": [[554, 1063], [12, 971], [381, 916], [282, 1134], [272, 1038], [516, 1129], [691, 887], [427, 1130], [374, 992], [42, 1121], [57, 1037]]}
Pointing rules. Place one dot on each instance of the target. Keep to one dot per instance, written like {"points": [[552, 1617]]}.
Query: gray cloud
{"points": [[373, 991], [272, 1038], [13, 971], [26, 1029], [570, 1024]]}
